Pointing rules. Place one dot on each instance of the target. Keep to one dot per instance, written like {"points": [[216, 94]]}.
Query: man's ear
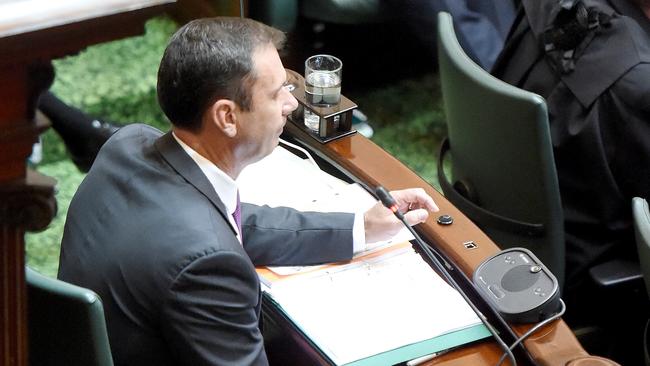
{"points": [[223, 115]]}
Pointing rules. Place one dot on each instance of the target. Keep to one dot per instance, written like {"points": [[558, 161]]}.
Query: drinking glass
{"points": [[323, 80], [322, 85]]}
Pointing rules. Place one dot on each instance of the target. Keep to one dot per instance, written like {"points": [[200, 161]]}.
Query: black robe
{"points": [[597, 87]]}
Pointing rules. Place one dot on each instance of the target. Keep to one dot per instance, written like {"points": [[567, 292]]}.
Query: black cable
{"points": [[388, 201], [533, 330]]}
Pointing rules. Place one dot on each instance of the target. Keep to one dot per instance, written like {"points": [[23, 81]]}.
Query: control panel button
{"points": [[496, 291], [445, 220]]}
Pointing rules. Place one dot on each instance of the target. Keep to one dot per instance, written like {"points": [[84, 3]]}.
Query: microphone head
{"points": [[385, 198]]}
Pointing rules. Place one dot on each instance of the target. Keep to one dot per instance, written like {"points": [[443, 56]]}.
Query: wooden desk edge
{"points": [[553, 345], [65, 38]]}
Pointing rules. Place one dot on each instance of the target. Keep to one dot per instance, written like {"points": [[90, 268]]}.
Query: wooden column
{"points": [[29, 39], [26, 198]]}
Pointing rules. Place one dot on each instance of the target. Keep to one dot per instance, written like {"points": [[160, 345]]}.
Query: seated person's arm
{"points": [[209, 317], [283, 236]]}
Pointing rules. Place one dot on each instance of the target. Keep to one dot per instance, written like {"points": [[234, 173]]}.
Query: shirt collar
{"points": [[225, 186]]}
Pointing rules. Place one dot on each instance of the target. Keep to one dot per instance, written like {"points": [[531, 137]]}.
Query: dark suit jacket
{"points": [[599, 112], [481, 25], [148, 233]]}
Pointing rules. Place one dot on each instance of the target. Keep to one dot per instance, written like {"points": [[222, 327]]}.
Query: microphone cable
{"points": [[304, 151], [533, 330], [389, 202]]}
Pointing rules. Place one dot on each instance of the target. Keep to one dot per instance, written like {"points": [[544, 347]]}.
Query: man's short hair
{"points": [[210, 59]]}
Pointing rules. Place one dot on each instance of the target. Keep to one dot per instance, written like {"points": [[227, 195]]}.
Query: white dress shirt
{"points": [[226, 189], [225, 186]]}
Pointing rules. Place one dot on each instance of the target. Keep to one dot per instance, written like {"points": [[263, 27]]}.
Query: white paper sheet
{"points": [[284, 179], [365, 307], [362, 309]]}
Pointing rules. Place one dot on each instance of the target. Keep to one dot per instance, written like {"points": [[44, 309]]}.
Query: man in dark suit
{"points": [[156, 228]]}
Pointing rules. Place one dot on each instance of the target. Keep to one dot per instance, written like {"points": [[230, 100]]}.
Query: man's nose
{"points": [[291, 104]]}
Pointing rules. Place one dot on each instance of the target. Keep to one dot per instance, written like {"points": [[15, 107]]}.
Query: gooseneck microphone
{"points": [[389, 202]]}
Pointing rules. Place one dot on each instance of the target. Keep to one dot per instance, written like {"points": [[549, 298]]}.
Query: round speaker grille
{"points": [[519, 278]]}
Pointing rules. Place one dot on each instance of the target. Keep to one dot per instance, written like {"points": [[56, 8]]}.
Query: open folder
{"points": [[380, 309], [384, 307]]}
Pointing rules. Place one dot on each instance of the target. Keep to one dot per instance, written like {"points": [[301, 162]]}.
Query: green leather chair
{"points": [[641, 215], [66, 324], [503, 174]]}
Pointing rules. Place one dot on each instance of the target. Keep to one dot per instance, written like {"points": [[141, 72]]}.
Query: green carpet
{"points": [[116, 81]]}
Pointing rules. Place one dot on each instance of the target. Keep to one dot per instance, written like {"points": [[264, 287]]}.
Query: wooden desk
{"points": [[32, 33], [362, 161]]}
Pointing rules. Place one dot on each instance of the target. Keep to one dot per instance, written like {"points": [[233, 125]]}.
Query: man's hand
{"points": [[381, 223]]}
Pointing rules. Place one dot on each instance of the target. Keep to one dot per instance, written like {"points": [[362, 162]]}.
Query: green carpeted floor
{"points": [[116, 81]]}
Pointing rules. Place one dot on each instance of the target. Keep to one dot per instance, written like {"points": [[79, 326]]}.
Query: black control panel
{"points": [[518, 286]]}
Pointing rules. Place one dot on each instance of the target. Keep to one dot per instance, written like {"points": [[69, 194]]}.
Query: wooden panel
{"points": [[359, 157], [32, 32], [19, 17], [25, 204], [13, 337], [74, 31]]}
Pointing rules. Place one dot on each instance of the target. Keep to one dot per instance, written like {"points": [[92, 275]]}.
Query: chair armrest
{"points": [[617, 273]]}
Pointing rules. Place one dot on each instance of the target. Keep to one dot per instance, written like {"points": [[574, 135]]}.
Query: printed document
{"points": [[371, 306], [387, 302]]}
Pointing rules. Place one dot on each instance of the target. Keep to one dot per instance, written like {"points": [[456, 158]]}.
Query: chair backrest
{"points": [[502, 165], [641, 215], [66, 324]]}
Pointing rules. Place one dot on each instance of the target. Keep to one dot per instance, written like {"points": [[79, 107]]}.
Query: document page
{"points": [[365, 308], [290, 181], [284, 179]]}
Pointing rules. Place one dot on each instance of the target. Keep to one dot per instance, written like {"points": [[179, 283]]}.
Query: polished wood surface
{"points": [[59, 28], [32, 33], [25, 16], [553, 345], [364, 161]]}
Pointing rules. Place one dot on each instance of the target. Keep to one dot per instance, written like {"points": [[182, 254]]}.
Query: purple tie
{"points": [[237, 216]]}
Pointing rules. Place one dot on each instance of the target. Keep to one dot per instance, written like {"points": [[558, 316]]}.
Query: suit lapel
{"points": [[178, 159]]}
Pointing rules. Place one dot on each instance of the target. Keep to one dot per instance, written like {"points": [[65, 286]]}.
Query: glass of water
{"points": [[322, 85], [323, 80]]}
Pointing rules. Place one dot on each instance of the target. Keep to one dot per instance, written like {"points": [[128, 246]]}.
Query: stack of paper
{"points": [[283, 179], [380, 309], [384, 307]]}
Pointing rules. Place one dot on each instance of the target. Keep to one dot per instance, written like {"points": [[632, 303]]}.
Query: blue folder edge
{"points": [[410, 351]]}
